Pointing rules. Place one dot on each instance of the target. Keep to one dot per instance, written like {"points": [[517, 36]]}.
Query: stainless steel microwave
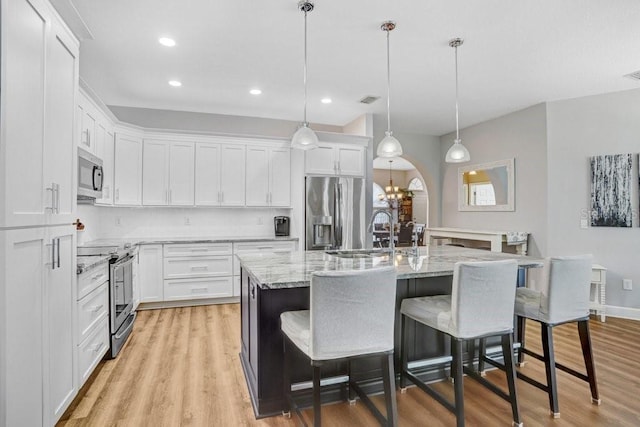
{"points": [[89, 176]]}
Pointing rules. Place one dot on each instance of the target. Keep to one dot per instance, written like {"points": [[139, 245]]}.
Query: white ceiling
{"points": [[516, 54]]}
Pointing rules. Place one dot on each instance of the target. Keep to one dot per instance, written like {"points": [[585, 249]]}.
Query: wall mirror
{"points": [[487, 186]]}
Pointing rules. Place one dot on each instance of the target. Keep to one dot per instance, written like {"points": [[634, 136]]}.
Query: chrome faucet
{"points": [[414, 244], [389, 213]]}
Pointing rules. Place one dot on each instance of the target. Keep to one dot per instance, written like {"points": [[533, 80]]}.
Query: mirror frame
{"points": [[510, 206]]}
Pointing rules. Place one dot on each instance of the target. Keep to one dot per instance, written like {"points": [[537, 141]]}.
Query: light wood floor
{"points": [[181, 368]]}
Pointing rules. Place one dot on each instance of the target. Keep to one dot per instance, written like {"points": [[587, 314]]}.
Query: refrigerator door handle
{"points": [[338, 216]]}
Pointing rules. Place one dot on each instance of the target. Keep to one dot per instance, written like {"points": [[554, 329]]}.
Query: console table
{"points": [[496, 238], [599, 280]]}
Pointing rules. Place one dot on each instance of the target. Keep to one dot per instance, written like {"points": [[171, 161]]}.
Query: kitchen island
{"points": [[274, 283]]}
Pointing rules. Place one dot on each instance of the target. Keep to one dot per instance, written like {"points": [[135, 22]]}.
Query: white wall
{"points": [[521, 135], [578, 129], [423, 151]]}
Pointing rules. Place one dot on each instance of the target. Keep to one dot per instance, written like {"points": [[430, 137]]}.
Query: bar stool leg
{"points": [[520, 332], [587, 354], [317, 419], [550, 368], [482, 351], [510, 369], [286, 411], [350, 396], [403, 354], [389, 380], [456, 375]]}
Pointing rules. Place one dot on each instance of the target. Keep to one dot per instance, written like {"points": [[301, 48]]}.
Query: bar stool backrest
{"points": [[565, 294], [483, 297], [352, 312]]}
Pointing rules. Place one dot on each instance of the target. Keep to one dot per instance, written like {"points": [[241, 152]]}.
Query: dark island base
{"points": [[262, 341]]}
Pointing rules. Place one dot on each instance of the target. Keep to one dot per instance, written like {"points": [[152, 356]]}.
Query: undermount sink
{"points": [[359, 253]]}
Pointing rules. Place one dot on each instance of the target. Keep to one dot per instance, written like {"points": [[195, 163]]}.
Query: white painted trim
{"points": [[623, 312]]}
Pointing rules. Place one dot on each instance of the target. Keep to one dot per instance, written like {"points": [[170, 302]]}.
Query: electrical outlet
{"points": [[118, 221], [584, 223], [187, 220], [627, 284]]}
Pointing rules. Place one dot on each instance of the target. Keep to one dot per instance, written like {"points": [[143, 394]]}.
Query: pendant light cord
{"points": [[305, 67], [457, 126], [388, 86]]}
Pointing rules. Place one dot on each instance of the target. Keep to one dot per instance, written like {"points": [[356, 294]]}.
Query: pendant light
{"points": [[305, 138], [458, 153], [389, 146]]}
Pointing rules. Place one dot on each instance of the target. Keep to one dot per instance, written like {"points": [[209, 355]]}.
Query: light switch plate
{"points": [[627, 284], [584, 223]]}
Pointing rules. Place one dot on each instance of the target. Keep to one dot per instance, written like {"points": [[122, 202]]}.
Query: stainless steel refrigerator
{"points": [[335, 210]]}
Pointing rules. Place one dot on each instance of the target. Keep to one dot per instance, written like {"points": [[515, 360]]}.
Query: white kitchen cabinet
{"points": [[168, 173], [88, 129], [37, 187], [262, 247], [220, 175], [335, 159], [197, 271], [150, 273], [127, 170], [136, 280], [268, 173], [37, 338]]}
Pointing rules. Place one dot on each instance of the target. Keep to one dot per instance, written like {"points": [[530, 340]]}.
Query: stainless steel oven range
{"points": [[121, 314]]}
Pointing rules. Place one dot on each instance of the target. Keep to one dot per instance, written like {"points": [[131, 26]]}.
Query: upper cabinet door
{"points": [[280, 177], [155, 189], [207, 175], [232, 175], [181, 173], [320, 161], [104, 146], [23, 195], [350, 161], [59, 151], [88, 130], [257, 174], [128, 170]]}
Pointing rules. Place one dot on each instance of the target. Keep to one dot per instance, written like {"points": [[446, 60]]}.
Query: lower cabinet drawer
{"points": [[176, 268], [91, 309], [211, 287], [91, 279], [91, 350]]}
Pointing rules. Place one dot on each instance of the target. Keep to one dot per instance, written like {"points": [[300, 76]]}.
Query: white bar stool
{"points": [[563, 299], [480, 305], [351, 314]]}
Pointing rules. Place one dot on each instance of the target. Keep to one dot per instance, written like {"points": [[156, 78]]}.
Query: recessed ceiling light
{"points": [[326, 100], [175, 83], [166, 41], [255, 91]]}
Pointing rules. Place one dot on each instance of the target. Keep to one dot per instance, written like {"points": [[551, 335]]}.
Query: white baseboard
{"points": [[623, 312]]}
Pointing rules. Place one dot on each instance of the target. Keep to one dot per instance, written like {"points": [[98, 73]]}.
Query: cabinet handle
{"points": [[52, 208], [199, 267], [96, 308], [117, 194], [57, 190], [58, 250], [55, 253], [199, 249], [267, 198], [198, 290], [170, 196]]}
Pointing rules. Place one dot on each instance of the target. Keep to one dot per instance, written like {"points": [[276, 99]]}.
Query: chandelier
{"points": [[392, 192]]}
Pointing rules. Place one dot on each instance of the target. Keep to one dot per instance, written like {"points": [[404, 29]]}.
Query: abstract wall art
{"points": [[611, 191]]}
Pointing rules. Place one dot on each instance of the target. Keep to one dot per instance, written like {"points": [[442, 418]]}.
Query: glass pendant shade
{"points": [[458, 153], [304, 138], [389, 146]]}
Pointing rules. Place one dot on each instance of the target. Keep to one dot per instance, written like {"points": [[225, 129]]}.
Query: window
{"points": [[416, 185]]}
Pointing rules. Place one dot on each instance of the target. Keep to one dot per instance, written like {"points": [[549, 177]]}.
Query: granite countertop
{"points": [[88, 262], [169, 240], [289, 270]]}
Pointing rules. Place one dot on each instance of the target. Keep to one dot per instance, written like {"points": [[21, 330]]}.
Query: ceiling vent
{"points": [[371, 99], [635, 75]]}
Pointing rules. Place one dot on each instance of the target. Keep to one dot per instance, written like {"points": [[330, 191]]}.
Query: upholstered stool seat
{"points": [[481, 304], [351, 315]]}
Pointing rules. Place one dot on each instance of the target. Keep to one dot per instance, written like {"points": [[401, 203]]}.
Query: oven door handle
{"points": [[128, 328]]}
